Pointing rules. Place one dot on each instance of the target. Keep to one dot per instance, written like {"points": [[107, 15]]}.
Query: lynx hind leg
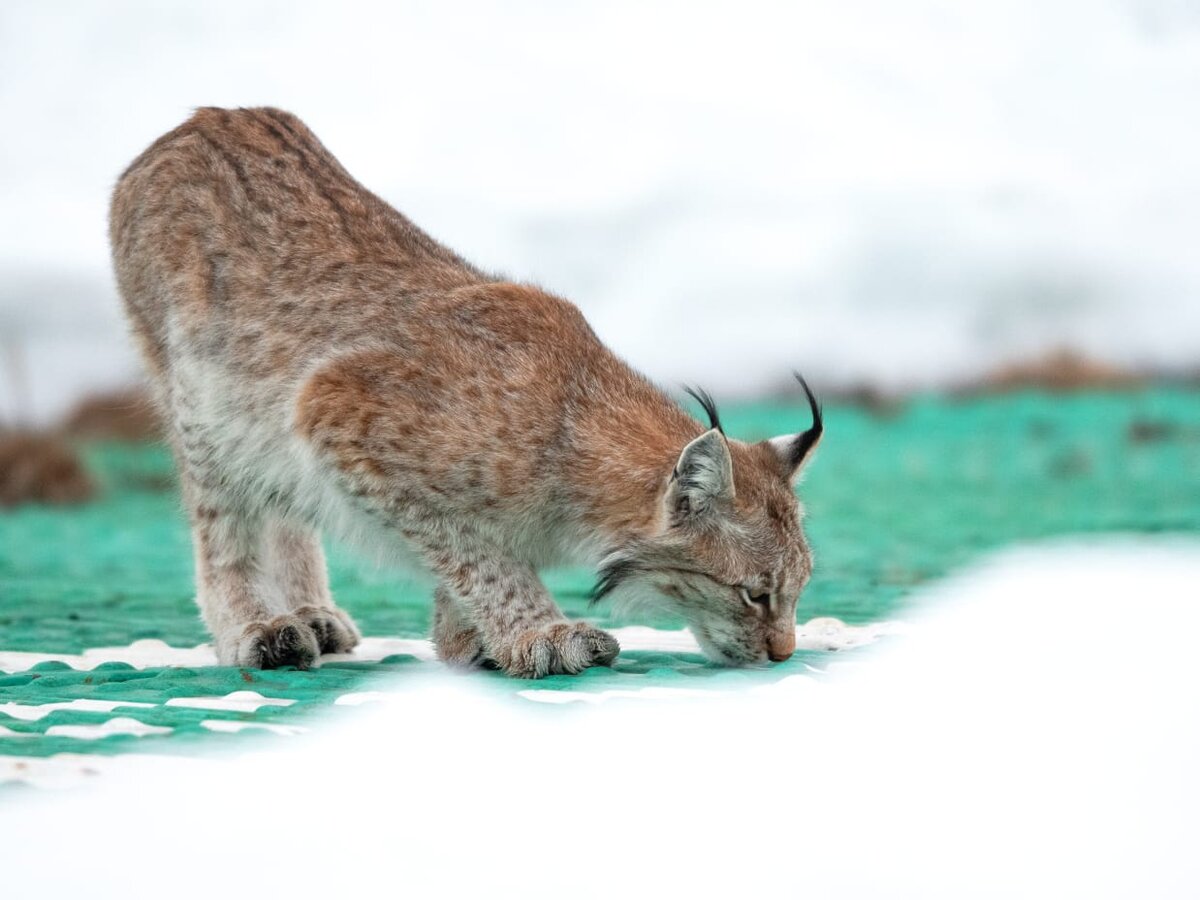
{"points": [[455, 635], [295, 564], [233, 597]]}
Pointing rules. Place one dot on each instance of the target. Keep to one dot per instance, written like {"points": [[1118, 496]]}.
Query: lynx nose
{"points": [[781, 646]]}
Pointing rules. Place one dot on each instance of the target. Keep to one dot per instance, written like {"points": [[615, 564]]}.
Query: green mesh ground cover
{"points": [[893, 501]]}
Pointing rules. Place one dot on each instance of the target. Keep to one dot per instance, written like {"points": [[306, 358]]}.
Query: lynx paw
{"points": [[455, 637], [335, 631], [461, 647], [283, 641], [562, 648]]}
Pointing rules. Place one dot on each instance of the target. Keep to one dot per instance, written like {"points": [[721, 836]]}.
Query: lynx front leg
{"points": [[517, 623], [456, 637], [296, 566], [232, 593]]}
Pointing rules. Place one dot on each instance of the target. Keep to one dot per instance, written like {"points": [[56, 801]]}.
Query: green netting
{"points": [[892, 502]]}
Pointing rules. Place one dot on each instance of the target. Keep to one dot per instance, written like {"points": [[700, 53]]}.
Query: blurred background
{"points": [[885, 196], [972, 225]]}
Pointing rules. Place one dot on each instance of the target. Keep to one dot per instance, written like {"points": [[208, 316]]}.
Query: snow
{"points": [[32, 712], [228, 726], [1034, 733], [234, 701], [120, 725], [896, 193]]}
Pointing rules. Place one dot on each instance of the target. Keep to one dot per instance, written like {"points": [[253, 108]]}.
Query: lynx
{"points": [[324, 365]]}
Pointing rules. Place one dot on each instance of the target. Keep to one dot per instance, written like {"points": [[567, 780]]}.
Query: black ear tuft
{"points": [[704, 398], [806, 440]]}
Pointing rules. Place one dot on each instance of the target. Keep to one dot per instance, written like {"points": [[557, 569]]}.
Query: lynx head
{"points": [[728, 553]]}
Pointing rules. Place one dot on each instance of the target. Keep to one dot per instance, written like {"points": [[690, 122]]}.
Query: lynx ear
{"points": [[702, 477], [794, 450]]}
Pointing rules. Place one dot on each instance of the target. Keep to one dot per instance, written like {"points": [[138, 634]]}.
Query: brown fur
{"points": [[324, 363]]}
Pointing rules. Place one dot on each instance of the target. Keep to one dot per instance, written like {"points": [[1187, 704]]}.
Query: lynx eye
{"points": [[756, 599]]}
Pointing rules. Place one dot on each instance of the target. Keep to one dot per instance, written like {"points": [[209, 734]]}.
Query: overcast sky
{"points": [[900, 193]]}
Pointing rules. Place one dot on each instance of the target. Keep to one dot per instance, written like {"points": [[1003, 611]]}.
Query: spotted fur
{"points": [[324, 365]]}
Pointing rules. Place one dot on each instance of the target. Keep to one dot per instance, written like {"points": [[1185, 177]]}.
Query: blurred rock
{"points": [[1149, 431], [868, 398], [1059, 370], [124, 415], [41, 468]]}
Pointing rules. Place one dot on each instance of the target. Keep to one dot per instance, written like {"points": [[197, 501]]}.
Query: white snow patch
{"points": [[119, 725], [358, 698], [373, 649], [225, 726], [235, 701], [70, 770], [823, 633], [592, 697], [147, 653], [31, 713]]}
